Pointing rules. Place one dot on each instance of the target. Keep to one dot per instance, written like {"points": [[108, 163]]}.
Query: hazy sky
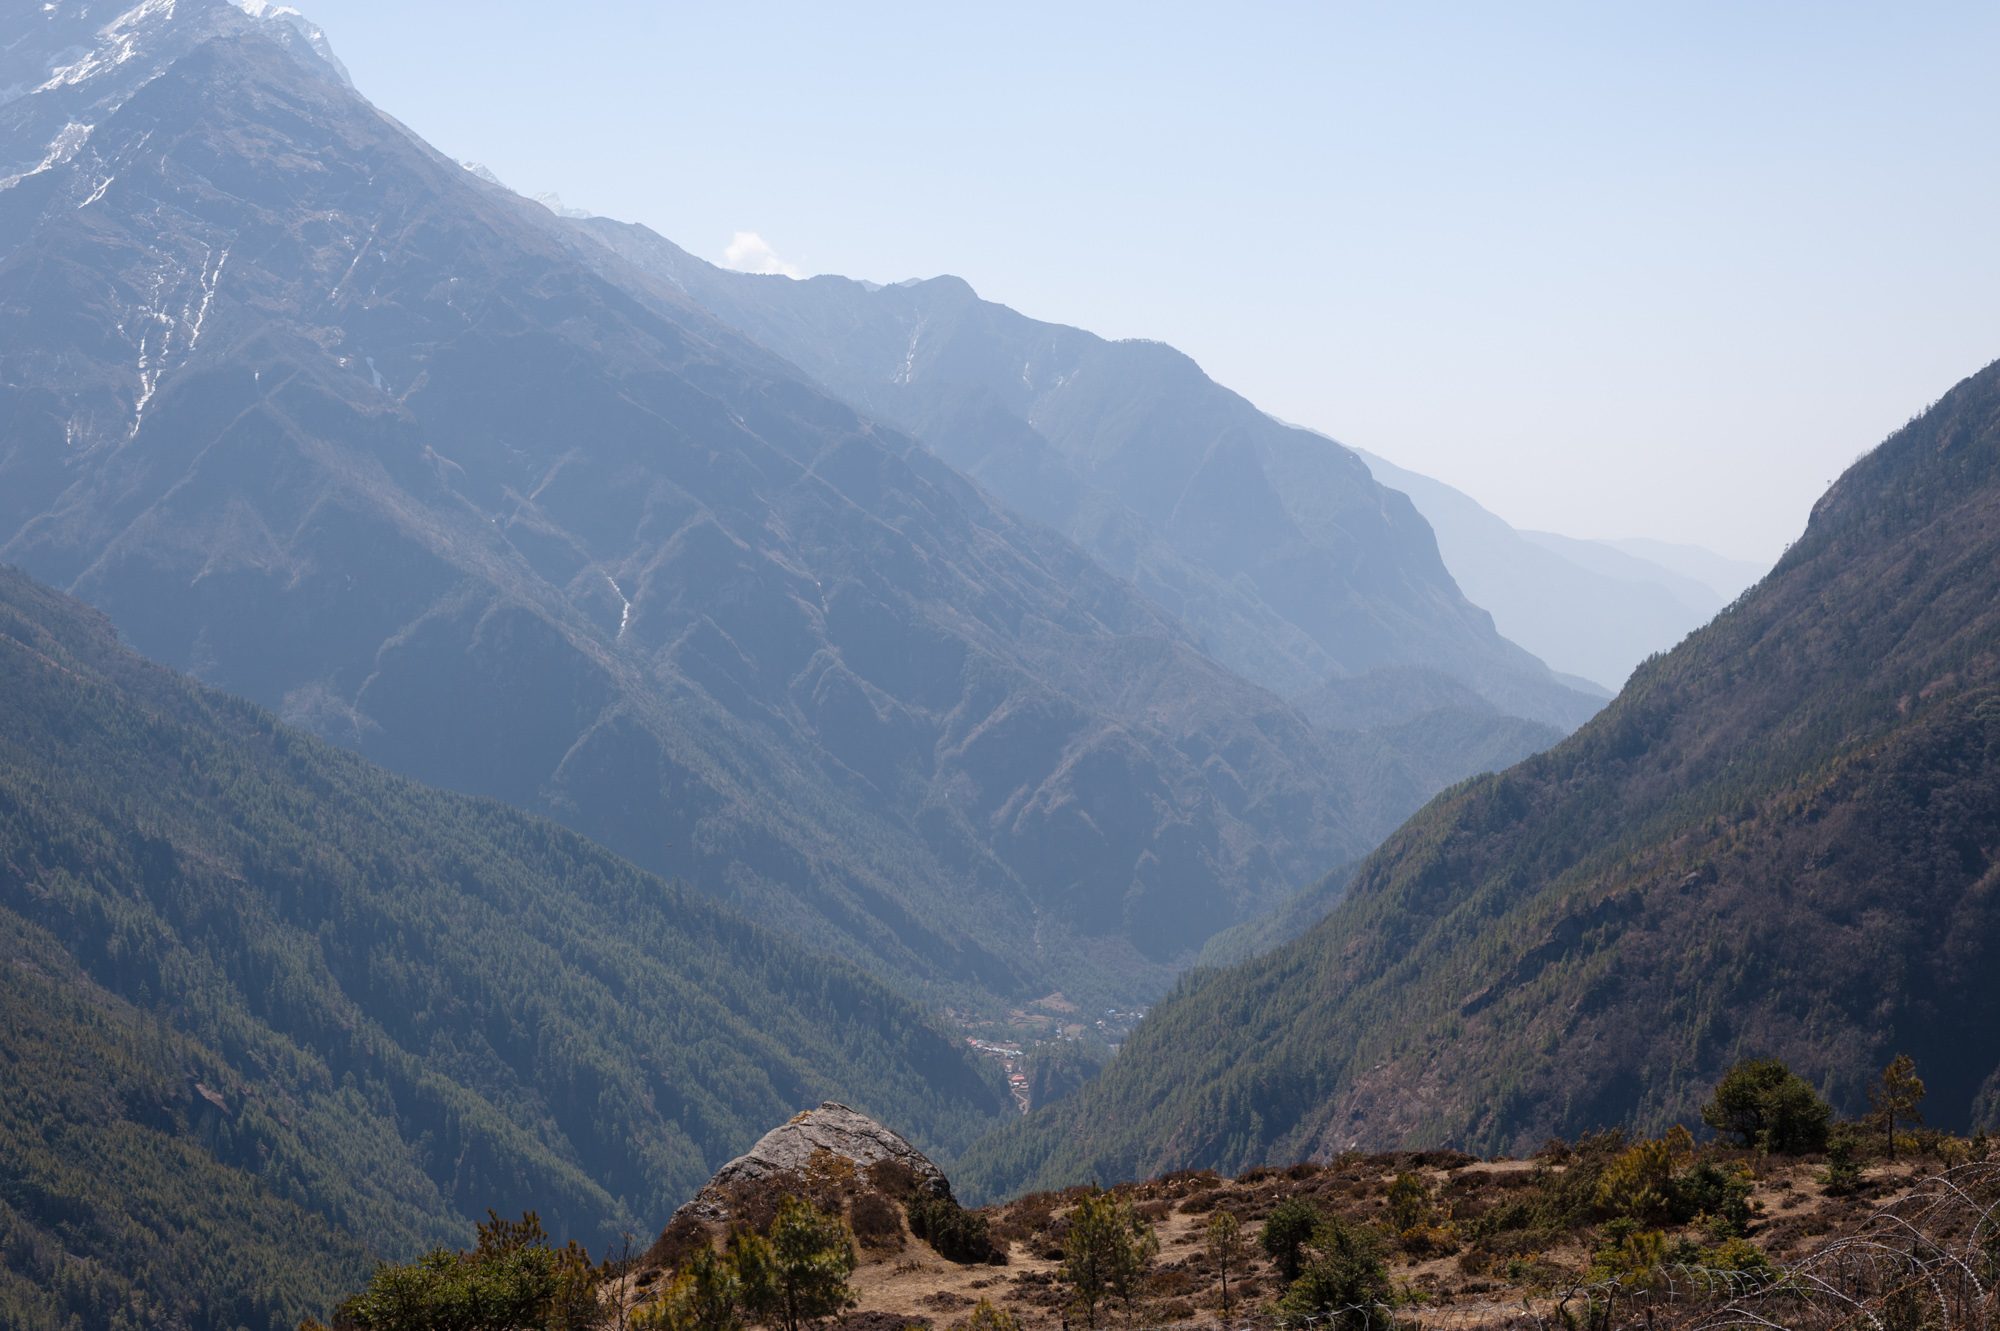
{"points": [[1614, 269]]}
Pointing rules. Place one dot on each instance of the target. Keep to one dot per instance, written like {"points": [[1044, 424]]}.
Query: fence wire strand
{"points": [[1928, 1261]]}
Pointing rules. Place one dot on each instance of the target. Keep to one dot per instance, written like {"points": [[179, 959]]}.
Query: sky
{"points": [[1613, 269]]}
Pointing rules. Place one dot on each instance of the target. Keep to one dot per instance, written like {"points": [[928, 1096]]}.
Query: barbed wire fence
{"points": [[1926, 1262], [1929, 1261]]}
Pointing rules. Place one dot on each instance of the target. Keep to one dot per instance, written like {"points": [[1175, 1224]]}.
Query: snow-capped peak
{"points": [[485, 173], [553, 202]]}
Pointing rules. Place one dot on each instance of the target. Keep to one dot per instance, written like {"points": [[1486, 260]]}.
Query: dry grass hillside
{"points": [[1465, 1242]]}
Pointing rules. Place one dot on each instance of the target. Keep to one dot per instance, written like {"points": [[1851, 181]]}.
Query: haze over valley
{"points": [[850, 804]]}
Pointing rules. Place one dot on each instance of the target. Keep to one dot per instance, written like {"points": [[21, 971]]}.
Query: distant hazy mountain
{"points": [[324, 418], [1591, 608], [269, 1014], [1726, 577], [1273, 545], [1620, 565], [1782, 839]]}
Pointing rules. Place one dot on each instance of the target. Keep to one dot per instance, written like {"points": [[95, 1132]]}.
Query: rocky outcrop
{"points": [[843, 1163], [801, 1154], [837, 1131]]}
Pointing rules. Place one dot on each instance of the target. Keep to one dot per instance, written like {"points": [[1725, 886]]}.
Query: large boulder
{"points": [[844, 1163], [832, 1130], [831, 1155]]}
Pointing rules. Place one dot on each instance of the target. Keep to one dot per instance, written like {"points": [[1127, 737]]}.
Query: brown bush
{"points": [[893, 1177], [1465, 1210], [876, 1222], [879, 1321], [1511, 1243], [1422, 1241], [1025, 1219], [753, 1203], [830, 1179]]}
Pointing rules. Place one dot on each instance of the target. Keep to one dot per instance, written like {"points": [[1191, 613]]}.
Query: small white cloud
{"points": [[748, 252]]}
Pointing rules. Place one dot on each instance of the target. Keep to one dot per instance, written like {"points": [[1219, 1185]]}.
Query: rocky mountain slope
{"points": [[269, 1013], [323, 418], [1782, 839], [1271, 544]]}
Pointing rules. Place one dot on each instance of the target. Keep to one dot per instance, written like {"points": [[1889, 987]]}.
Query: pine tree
{"points": [[1225, 1248], [799, 1274], [707, 1295], [1896, 1098], [1105, 1252]]}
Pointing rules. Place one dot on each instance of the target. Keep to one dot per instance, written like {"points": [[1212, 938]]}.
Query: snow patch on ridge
{"points": [[157, 318], [625, 616], [66, 145], [904, 375], [120, 38]]}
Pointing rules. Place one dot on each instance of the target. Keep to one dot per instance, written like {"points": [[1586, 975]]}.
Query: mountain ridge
{"points": [[1272, 544], [319, 416], [1782, 839]]}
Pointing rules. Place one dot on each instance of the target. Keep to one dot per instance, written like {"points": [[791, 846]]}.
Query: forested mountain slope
{"points": [[268, 1013], [1782, 839], [1273, 545], [319, 416]]}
